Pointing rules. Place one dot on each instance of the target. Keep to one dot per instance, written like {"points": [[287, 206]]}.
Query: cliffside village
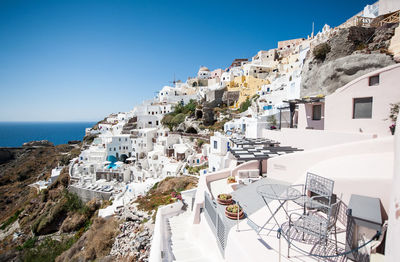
{"points": [[272, 130]]}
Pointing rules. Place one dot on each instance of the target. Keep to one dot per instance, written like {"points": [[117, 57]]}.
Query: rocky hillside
{"points": [[25, 166], [55, 225], [349, 54], [32, 221]]}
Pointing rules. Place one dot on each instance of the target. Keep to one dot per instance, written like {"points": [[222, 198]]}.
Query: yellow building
{"points": [[247, 86]]}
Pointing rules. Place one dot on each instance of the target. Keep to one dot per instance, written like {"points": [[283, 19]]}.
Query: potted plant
{"points": [[231, 211], [231, 179], [224, 199], [176, 196], [392, 128], [394, 111]]}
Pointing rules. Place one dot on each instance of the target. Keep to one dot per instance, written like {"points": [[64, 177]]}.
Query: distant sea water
{"points": [[14, 134]]}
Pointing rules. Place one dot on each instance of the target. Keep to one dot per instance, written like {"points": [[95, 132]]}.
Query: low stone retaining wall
{"points": [[87, 195]]}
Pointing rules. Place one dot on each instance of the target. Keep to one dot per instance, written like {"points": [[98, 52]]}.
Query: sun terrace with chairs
{"points": [[302, 222], [264, 210]]}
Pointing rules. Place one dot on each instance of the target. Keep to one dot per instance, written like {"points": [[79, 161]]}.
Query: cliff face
{"points": [[353, 52], [325, 78], [22, 209]]}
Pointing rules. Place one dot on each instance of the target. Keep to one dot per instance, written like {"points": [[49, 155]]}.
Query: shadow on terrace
{"points": [[283, 222]]}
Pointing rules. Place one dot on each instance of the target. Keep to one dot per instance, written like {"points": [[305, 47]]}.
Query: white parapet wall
{"points": [[157, 244], [364, 163], [312, 139], [205, 180]]}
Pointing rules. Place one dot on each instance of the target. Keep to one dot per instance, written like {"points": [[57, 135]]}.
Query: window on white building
{"points": [[362, 107], [316, 112], [374, 80], [215, 144]]}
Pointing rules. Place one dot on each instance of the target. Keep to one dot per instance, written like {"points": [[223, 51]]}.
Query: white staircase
{"points": [[183, 246]]}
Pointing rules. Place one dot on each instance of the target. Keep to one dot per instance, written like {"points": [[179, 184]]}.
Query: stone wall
{"points": [[87, 195]]}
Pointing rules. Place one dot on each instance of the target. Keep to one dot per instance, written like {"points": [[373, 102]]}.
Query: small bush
{"points": [[178, 119], [74, 203], [47, 250], [11, 219], [272, 120], [321, 50], [195, 170], [29, 243], [394, 111], [167, 121], [245, 105], [200, 142]]}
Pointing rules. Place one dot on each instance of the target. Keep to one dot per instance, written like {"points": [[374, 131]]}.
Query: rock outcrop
{"points": [[325, 78], [133, 243], [354, 52]]}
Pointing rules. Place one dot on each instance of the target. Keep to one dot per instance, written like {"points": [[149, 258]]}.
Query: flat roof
{"points": [[260, 153], [253, 141]]}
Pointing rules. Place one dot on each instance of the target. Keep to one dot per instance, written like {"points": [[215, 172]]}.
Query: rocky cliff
{"points": [[349, 54]]}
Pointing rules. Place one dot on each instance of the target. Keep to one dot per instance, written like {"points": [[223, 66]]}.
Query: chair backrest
{"points": [[342, 214], [332, 213], [318, 185]]}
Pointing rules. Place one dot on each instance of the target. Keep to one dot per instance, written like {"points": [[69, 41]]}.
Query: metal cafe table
{"points": [[281, 193]]}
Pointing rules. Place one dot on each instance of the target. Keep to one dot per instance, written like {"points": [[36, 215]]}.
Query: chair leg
{"points": [[288, 240], [336, 241]]}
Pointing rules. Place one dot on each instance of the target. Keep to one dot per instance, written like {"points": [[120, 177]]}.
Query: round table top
{"points": [[278, 192]]}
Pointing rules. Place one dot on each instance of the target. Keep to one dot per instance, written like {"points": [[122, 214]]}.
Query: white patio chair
{"points": [[314, 224], [316, 191]]}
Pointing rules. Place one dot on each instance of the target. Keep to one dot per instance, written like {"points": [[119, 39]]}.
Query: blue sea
{"points": [[14, 134]]}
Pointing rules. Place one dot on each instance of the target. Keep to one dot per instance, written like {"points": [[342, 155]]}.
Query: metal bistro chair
{"points": [[316, 191], [315, 225]]}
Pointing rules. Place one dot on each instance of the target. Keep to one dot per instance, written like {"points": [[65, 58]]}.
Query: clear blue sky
{"points": [[81, 60]]}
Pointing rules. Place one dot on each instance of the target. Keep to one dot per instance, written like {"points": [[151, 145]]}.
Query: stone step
{"points": [[181, 242], [179, 220], [179, 232], [188, 253], [182, 246], [200, 259], [175, 238], [179, 225], [183, 215]]}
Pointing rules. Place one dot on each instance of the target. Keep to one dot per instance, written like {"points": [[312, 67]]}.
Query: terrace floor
{"points": [[241, 241]]}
